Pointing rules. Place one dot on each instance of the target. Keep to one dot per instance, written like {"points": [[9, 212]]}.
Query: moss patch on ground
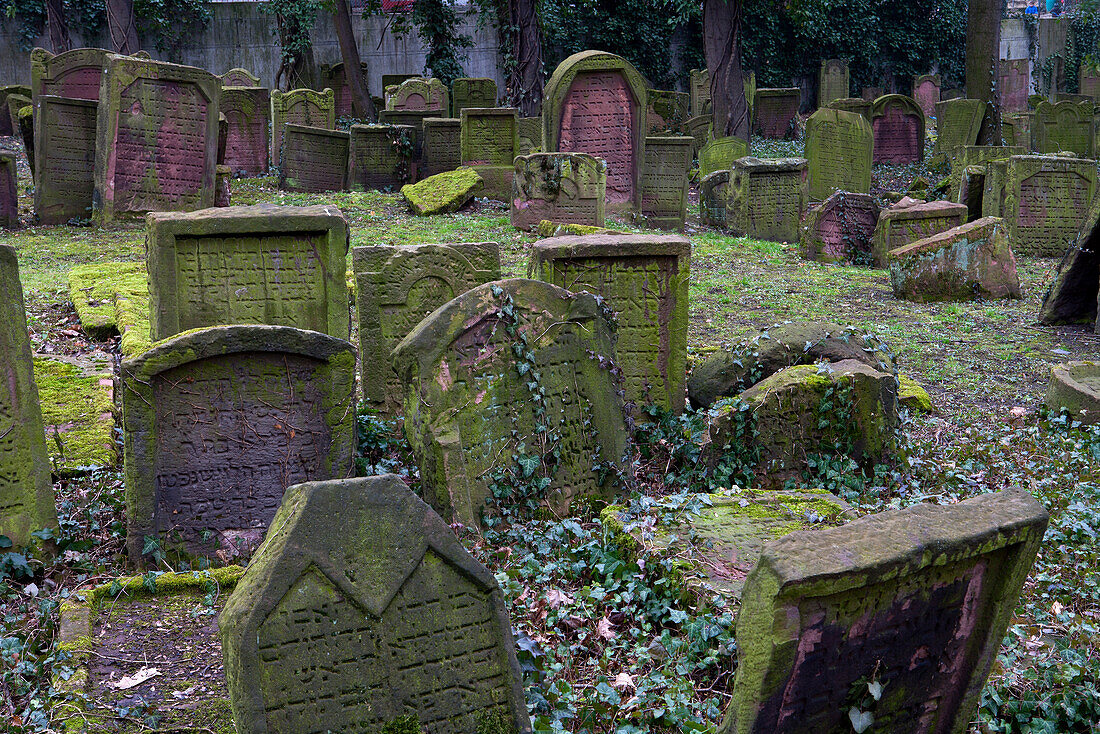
{"points": [[78, 412]]}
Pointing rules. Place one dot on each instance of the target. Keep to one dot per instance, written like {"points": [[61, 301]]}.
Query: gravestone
{"points": [[666, 112], [766, 198], [393, 80], [247, 113], [472, 93], [971, 155], [74, 74], [898, 126], [1014, 84], [872, 93], [468, 410], [775, 112], [218, 422], [1063, 126], [595, 103], [280, 265], [15, 103], [1016, 129], [222, 189], [832, 81], [420, 95], [839, 147], [380, 156], [720, 153], [911, 220], [304, 107], [238, 77], [916, 600], [700, 129], [442, 147], [926, 91], [363, 612], [565, 188], [665, 181], [23, 119], [530, 135], [397, 287], [958, 122], [489, 140], [1046, 199], [6, 127], [644, 280], [333, 77], [858, 105], [26, 487], [415, 120], [9, 191], [1072, 297], [1089, 80], [700, 92], [841, 229], [314, 159], [713, 193]]}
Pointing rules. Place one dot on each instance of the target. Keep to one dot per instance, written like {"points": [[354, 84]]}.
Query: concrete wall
{"points": [[1050, 39], [240, 35]]}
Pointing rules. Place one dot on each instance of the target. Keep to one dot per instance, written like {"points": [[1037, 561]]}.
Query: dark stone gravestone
{"points": [[314, 159], [766, 198], [958, 122], [775, 112], [397, 287], [156, 138], [381, 156], [926, 91], [898, 125], [644, 280], [700, 92], [1063, 126], [478, 92], [910, 220], [5, 118], [489, 141], [713, 193], [247, 112], [74, 74], [666, 112], [1046, 199], [916, 601], [65, 169], [839, 147], [305, 107], [853, 104], [832, 81], [279, 265], [9, 191], [238, 77], [218, 422], [530, 135], [333, 77], [665, 181], [1089, 80], [442, 148], [363, 612], [595, 103], [720, 153], [1072, 297], [467, 409], [420, 95], [701, 129], [565, 188], [841, 229], [26, 487], [1014, 84]]}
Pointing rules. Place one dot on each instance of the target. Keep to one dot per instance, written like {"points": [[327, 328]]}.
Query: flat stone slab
{"points": [[78, 414], [92, 289], [442, 193], [1075, 387]]}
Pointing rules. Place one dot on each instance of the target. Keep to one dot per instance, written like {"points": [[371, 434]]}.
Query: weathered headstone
{"points": [[314, 159], [841, 229], [468, 409], [6, 127], [1016, 129], [1075, 389], [218, 422], [644, 280], [766, 198], [914, 600], [853, 104], [1072, 297], [595, 104], [872, 93], [9, 191], [839, 147], [238, 77], [832, 81], [775, 112], [1063, 126], [465, 93], [26, 487], [381, 156], [700, 92], [909, 221], [700, 128], [333, 77], [156, 138], [223, 190], [363, 612], [713, 193], [420, 95], [898, 125], [22, 120], [958, 122], [74, 74], [926, 91], [720, 153], [279, 265], [971, 155], [1014, 84], [15, 103], [489, 141], [666, 112], [567, 188], [415, 120], [305, 107], [442, 147], [1089, 80], [247, 112], [530, 135], [1046, 200], [397, 287], [665, 181]]}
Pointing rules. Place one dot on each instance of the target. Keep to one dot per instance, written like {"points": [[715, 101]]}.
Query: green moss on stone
{"points": [[443, 192], [913, 396], [547, 228], [93, 287], [77, 411], [169, 583]]}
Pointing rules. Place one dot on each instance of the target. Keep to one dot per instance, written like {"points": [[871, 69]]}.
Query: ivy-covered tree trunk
{"points": [[57, 27], [983, 53], [361, 103], [121, 27], [298, 67], [525, 79], [722, 46], [437, 25]]}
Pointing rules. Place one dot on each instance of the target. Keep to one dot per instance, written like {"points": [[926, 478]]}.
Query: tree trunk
{"points": [[121, 27], [58, 29], [525, 81], [361, 103], [983, 53], [297, 70], [722, 46]]}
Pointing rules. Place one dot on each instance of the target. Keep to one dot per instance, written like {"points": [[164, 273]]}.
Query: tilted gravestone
{"points": [[508, 364], [363, 612], [305, 107], [1046, 199], [1072, 296], [832, 81], [442, 147], [280, 265], [530, 135], [156, 138], [333, 77], [1014, 84], [700, 129], [21, 90], [247, 113], [74, 74], [859, 105], [909, 221], [1063, 126], [489, 143], [314, 159], [414, 119], [775, 112], [720, 153], [926, 91], [644, 280], [420, 95], [595, 104], [218, 422], [665, 181], [766, 198], [713, 193], [380, 156], [958, 122], [565, 188], [700, 92], [26, 487], [65, 148], [898, 125], [22, 120], [971, 155], [238, 77], [397, 287], [840, 229], [916, 601], [666, 112], [9, 191], [839, 146], [478, 92]]}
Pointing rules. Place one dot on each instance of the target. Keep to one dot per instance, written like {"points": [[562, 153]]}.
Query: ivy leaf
{"points": [[861, 720]]}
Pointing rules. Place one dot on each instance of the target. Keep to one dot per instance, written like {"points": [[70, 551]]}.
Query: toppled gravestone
{"points": [[363, 612], [442, 193], [966, 262], [910, 220], [568, 188], [841, 229], [915, 601], [1073, 294], [1075, 388]]}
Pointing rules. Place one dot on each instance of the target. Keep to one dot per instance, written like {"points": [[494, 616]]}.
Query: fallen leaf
{"points": [[603, 629], [137, 678], [555, 598], [623, 680]]}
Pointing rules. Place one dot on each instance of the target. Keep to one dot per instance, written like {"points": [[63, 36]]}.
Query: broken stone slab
{"points": [[442, 193], [1075, 388], [568, 188], [1072, 296], [910, 220], [713, 193]]}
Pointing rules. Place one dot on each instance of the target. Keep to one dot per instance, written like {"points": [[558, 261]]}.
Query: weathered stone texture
{"points": [[465, 92], [958, 122], [489, 145], [859, 105], [9, 192], [305, 107], [1063, 126], [1072, 297], [380, 156], [314, 159], [530, 135], [1075, 388], [841, 229], [238, 77], [775, 112], [6, 91], [568, 188], [74, 74], [700, 92], [442, 193], [1014, 84], [713, 194], [1046, 200], [910, 220], [664, 189], [666, 112], [898, 125], [442, 146], [1089, 80], [719, 154], [926, 91], [766, 198], [839, 146], [965, 156], [420, 95], [334, 78], [832, 81], [247, 112]]}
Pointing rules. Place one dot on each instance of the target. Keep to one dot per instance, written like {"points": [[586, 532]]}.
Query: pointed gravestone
{"points": [[839, 146], [363, 612], [566, 188]]}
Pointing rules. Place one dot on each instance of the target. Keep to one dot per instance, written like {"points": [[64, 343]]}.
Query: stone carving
{"points": [[442, 145], [766, 198], [775, 112], [832, 81], [926, 91], [839, 147], [565, 188], [700, 92], [489, 141], [1046, 200], [898, 126], [9, 192], [238, 77], [472, 93], [314, 159], [1014, 84], [841, 229], [530, 135], [910, 220], [666, 112], [713, 193], [419, 95], [958, 122], [1063, 126], [247, 113], [381, 156], [720, 153], [305, 107], [665, 181]]}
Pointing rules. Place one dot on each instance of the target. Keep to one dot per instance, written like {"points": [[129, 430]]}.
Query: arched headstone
{"points": [[898, 124]]}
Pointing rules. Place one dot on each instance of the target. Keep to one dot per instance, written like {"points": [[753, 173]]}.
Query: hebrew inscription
{"points": [[599, 117]]}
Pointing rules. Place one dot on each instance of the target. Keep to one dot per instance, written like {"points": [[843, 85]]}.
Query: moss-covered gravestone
{"points": [[775, 111], [65, 168], [595, 103], [859, 105], [489, 145], [700, 129], [1072, 297], [766, 198], [442, 193], [700, 92], [466, 92], [666, 112], [9, 192], [441, 149], [568, 188], [247, 111], [958, 122], [832, 81], [839, 146], [840, 229], [664, 187], [910, 220], [644, 280], [7, 90], [306, 107], [279, 265], [238, 77], [971, 155], [513, 372], [396, 287], [218, 422], [363, 612], [530, 135], [718, 154], [336, 79], [26, 488], [381, 156], [713, 193], [1063, 126], [1046, 200], [314, 159], [418, 94], [156, 138], [926, 91], [74, 74], [898, 124], [914, 602]]}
